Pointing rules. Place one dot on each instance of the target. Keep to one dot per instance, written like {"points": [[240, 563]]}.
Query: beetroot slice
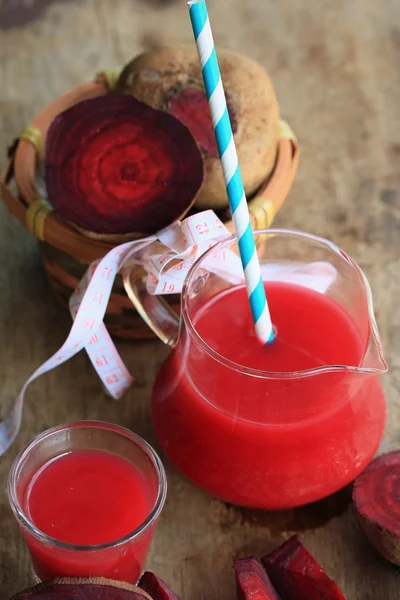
{"points": [[156, 587], [252, 580], [376, 497], [115, 165], [296, 574], [92, 588]]}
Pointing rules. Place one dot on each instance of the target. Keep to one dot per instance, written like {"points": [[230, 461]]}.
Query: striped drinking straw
{"points": [[230, 166]]}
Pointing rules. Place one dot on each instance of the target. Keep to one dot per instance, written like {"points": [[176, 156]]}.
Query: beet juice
{"points": [[87, 497], [269, 426]]}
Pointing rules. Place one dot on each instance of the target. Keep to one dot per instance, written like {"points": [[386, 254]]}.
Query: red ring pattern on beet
{"points": [[376, 493], [252, 581], [116, 165]]}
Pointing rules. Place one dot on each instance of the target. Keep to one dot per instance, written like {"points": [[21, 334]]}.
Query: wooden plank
{"points": [[335, 69]]}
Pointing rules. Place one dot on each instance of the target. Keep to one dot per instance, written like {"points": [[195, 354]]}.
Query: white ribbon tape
{"points": [[186, 242]]}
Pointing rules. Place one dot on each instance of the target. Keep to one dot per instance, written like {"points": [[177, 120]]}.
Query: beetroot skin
{"points": [[252, 581], [115, 166], [169, 78], [296, 575], [376, 497], [82, 589], [156, 587]]}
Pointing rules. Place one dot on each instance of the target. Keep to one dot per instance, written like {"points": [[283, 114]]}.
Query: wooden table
{"points": [[335, 66]]}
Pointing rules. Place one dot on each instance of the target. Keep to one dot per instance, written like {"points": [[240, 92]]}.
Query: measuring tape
{"points": [[185, 241], [166, 272]]}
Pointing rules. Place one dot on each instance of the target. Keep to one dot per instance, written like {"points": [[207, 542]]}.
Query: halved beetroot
{"points": [[92, 588], [156, 587], [296, 575], [376, 496], [117, 166], [252, 581], [169, 78]]}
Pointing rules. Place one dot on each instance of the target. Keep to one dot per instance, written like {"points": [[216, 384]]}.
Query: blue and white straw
{"points": [[230, 166]]}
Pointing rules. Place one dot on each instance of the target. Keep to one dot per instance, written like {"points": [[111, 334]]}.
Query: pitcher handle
{"points": [[154, 310]]}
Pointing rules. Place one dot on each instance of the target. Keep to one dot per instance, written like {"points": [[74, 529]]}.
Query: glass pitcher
{"points": [[261, 436]]}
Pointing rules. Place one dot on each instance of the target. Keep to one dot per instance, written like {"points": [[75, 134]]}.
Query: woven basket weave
{"points": [[65, 251]]}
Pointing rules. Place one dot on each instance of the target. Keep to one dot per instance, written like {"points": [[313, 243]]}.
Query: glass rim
{"points": [[264, 374], [28, 524]]}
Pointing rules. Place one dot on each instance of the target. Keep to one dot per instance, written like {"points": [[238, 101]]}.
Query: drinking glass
{"points": [[121, 559]]}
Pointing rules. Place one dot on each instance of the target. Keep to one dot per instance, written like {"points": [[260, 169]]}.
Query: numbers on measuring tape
{"points": [[101, 361], [185, 242], [202, 228], [98, 298], [106, 273], [89, 323], [168, 288]]}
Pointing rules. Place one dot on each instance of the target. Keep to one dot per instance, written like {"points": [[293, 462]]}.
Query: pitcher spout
{"points": [[374, 360]]}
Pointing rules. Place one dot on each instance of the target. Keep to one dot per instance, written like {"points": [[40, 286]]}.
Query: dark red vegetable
{"points": [[115, 166], [191, 107], [83, 589], [156, 587], [376, 497], [296, 575], [252, 581]]}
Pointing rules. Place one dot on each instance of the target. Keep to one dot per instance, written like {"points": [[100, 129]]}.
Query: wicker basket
{"points": [[65, 251]]}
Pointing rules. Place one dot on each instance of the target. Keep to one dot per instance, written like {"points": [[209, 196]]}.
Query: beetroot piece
{"points": [[297, 575], [156, 587], [190, 106], [376, 497], [115, 165], [252, 580], [92, 588]]}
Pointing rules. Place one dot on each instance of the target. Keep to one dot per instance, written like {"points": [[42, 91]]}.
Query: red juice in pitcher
{"points": [[269, 426]]}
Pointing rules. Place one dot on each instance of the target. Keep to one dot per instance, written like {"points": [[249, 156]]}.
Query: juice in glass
{"points": [[87, 497]]}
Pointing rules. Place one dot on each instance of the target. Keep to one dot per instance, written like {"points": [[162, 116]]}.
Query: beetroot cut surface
{"points": [[191, 107], [296, 575], [92, 588], [115, 165], [156, 587], [376, 497], [252, 581]]}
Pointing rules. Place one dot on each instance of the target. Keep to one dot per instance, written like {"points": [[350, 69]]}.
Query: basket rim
{"points": [[48, 227]]}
